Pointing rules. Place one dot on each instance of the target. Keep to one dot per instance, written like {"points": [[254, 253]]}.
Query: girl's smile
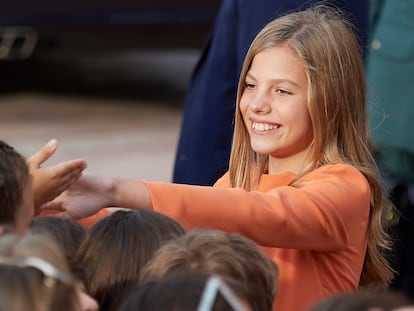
{"points": [[260, 128]]}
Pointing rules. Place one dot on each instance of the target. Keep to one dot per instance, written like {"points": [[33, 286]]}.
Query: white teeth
{"points": [[263, 126]]}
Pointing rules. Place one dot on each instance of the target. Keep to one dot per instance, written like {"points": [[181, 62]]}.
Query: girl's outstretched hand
{"points": [[92, 193], [50, 182], [85, 197]]}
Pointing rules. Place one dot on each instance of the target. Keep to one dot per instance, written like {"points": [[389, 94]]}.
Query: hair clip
{"points": [[213, 286], [47, 269]]}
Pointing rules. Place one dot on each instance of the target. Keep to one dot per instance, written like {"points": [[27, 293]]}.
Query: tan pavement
{"points": [[122, 137]]}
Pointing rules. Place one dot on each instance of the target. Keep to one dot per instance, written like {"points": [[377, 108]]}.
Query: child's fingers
{"points": [[43, 154], [69, 168]]}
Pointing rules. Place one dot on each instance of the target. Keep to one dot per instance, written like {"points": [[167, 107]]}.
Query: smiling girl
{"points": [[302, 182]]}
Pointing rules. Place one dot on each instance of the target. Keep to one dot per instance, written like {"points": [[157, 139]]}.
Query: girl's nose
{"points": [[260, 103]]}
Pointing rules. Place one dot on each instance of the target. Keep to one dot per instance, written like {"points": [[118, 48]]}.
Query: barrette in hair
{"points": [[214, 286], [47, 269]]}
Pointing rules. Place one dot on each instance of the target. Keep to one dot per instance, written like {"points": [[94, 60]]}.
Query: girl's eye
{"points": [[249, 85], [283, 92]]}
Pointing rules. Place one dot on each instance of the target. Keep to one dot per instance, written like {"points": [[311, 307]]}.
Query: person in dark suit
{"points": [[206, 132]]}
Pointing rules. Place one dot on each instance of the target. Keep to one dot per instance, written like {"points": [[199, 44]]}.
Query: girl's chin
{"points": [[262, 151]]}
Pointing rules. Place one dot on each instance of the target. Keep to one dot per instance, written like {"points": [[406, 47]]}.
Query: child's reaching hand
{"points": [[49, 182]]}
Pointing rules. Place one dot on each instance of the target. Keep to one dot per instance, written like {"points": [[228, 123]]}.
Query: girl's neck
{"points": [[295, 163]]}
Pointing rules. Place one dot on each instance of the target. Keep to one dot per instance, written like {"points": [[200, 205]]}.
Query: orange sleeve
{"points": [[326, 207]]}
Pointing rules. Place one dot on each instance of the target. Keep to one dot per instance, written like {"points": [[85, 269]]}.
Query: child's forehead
{"points": [[279, 63], [280, 52]]}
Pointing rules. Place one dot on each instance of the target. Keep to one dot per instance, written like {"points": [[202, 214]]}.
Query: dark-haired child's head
{"points": [[16, 193]]}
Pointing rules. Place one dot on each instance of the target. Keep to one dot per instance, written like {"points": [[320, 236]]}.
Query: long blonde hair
{"points": [[336, 99]]}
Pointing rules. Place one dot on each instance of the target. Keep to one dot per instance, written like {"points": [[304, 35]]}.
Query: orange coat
{"points": [[316, 230]]}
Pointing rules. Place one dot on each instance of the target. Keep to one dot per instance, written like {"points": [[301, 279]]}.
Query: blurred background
{"points": [[106, 78]]}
